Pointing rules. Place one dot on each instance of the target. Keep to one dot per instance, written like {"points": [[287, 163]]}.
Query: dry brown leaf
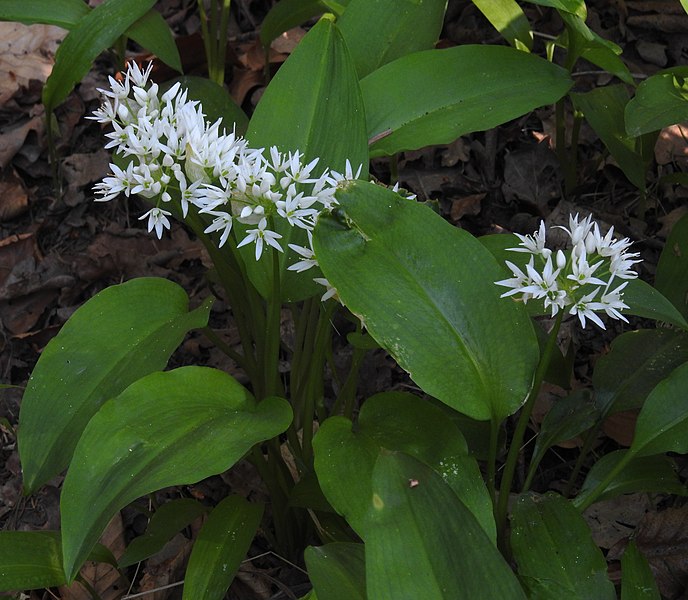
{"points": [[621, 426], [662, 537], [14, 249], [672, 146], [532, 175], [285, 43], [13, 197], [165, 568], [468, 205], [669, 220], [615, 519], [12, 139], [26, 53]]}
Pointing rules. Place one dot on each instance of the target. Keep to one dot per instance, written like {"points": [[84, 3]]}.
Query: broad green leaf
{"points": [[643, 474], [551, 543], [33, 559], [121, 334], [172, 428], [645, 301], [662, 425], [422, 542], [508, 18], [661, 100], [337, 571], [92, 34], [604, 110], [313, 105], [575, 7], [63, 13], [396, 421], [29, 560], [165, 523], [216, 101], [455, 91], [287, 14], [637, 579], [582, 42], [379, 32], [672, 270], [568, 418], [411, 277], [152, 32], [220, 547], [635, 364]]}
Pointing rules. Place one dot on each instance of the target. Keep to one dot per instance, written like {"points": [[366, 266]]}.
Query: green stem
{"points": [[492, 460], [215, 339], [582, 502], [222, 42], [272, 331], [517, 440], [205, 34], [585, 450]]}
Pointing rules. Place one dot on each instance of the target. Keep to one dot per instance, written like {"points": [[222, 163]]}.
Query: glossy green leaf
{"points": [[582, 42], [152, 32], [165, 523], [220, 547], [508, 18], [635, 364], [121, 334], [637, 580], [337, 571], [92, 34], [172, 428], [216, 101], [313, 105], [645, 301], [672, 270], [379, 32], [411, 277], [661, 100], [551, 544], [576, 7], [287, 14], [33, 559], [455, 91], [395, 421], [63, 13], [604, 110], [568, 418], [29, 560], [642, 474], [422, 542], [662, 424]]}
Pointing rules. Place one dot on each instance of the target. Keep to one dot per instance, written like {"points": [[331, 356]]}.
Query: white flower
{"points": [[261, 236], [331, 291], [576, 282], [222, 222], [535, 244], [157, 219], [585, 308]]}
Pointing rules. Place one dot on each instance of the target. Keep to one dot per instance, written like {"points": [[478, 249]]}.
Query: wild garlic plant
{"points": [[582, 282], [176, 157]]}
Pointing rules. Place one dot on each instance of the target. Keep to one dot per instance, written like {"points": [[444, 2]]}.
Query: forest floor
{"points": [[58, 248]]}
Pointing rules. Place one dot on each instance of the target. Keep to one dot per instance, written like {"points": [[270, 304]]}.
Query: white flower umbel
{"points": [[582, 282], [180, 161]]}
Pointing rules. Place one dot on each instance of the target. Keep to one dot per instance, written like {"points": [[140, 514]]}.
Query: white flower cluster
{"points": [[177, 156], [580, 281]]}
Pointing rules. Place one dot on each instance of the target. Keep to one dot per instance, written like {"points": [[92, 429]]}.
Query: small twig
{"points": [[159, 589], [270, 552]]}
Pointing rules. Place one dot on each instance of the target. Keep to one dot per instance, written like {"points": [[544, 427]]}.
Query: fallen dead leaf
{"points": [[668, 221], [662, 537], [12, 139], [532, 175], [672, 146], [468, 205], [26, 53], [615, 519], [621, 426], [286, 42], [13, 197]]}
